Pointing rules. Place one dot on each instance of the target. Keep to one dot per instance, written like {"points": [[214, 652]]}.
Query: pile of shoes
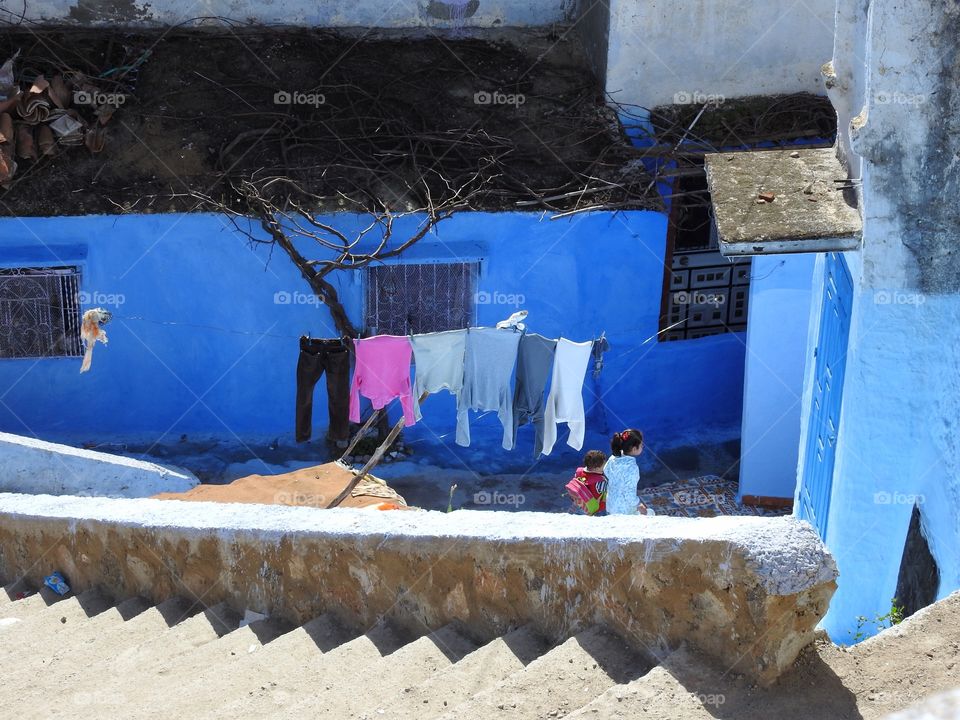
{"points": [[39, 117]]}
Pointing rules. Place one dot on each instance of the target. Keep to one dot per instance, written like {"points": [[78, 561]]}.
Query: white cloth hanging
{"points": [[565, 401]]}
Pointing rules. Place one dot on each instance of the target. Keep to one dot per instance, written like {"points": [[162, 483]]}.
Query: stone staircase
{"points": [[92, 657]]}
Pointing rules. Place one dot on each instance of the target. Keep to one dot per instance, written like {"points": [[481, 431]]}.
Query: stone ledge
{"points": [[809, 209], [746, 591], [37, 466]]}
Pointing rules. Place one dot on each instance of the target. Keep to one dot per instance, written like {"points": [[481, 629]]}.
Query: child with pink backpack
{"points": [[588, 489]]}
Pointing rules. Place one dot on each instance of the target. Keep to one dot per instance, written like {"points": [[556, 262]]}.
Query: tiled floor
{"points": [[704, 496]]}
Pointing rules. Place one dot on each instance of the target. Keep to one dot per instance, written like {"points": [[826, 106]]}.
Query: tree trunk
{"points": [[321, 288]]}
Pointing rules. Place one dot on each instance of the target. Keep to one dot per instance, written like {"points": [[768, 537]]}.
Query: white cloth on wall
{"points": [[565, 401]]}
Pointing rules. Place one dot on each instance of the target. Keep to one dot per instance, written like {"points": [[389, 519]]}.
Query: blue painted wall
{"points": [[777, 324], [199, 344], [897, 444]]}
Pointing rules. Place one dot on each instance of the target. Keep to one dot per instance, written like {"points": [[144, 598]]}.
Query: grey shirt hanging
{"points": [[534, 364]]}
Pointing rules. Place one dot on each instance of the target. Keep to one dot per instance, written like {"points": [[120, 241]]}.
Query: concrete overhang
{"points": [[782, 201]]}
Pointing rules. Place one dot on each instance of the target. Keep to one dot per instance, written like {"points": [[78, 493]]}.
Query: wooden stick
{"points": [[356, 438], [373, 461]]}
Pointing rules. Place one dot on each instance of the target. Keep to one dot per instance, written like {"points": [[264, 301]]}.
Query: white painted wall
{"points": [[35, 467], [329, 13], [660, 50], [778, 314]]}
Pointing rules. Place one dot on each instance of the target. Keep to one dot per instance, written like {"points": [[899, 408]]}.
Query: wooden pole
{"points": [[356, 438], [373, 461]]}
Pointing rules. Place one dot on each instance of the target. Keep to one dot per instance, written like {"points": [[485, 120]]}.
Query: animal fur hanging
{"points": [[91, 330]]}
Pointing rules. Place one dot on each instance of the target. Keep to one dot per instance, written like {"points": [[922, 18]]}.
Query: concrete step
{"points": [[67, 639], [677, 689], [106, 687], [478, 671], [35, 602], [70, 610], [198, 641], [566, 678], [219, 656], [194, 630], [359, 691], [329, 672], [80, 657], [242, 641], [11, 591], [279, 665]]}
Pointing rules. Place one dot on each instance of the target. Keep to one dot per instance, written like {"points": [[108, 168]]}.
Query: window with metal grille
{"points": [[39, 312], [409, 299], [704, 293]]}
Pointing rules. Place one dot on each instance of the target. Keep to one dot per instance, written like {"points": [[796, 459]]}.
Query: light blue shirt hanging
{"points": [[489, 359]]}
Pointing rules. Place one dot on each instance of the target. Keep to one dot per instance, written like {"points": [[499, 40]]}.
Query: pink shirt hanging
{"points": [[382, 373]]}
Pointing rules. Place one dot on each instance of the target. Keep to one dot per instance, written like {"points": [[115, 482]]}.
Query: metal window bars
{"points": [[40, 312], [408, 299]]}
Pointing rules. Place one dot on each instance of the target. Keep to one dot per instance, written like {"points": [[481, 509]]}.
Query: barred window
{"points": [[704, 293], [418, 298], [39, 312]]}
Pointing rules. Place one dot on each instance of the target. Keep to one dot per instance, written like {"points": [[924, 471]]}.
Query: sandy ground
{"points": [[314, 486], [888, 672], [487, 477]]}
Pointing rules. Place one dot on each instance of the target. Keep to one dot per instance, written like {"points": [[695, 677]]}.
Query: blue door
{"points": [[824, 421]]}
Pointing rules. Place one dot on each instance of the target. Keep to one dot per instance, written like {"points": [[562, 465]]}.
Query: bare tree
{"points": [[288, 214]]}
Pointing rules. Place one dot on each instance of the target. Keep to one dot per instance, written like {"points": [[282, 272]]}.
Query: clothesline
{"points": [[208, 327], [502, 370], [252, 333]]}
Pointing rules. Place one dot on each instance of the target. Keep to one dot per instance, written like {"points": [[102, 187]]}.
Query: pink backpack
{"points": [[579, 493]]}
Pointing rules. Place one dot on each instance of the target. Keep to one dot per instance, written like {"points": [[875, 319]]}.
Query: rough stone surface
{"points": [[745, 591], [807, 205], [903, 131]]}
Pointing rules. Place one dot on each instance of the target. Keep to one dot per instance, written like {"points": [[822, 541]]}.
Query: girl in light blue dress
{"points": [[623, 474]]}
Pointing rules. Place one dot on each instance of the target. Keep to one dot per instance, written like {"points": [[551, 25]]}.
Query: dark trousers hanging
{"points": [[316, 358]]}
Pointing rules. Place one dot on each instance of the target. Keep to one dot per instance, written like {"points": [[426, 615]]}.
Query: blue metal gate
{"points": [[824, 422]]}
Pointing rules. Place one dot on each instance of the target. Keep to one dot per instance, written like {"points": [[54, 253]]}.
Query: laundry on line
{"points": [[504, 370]]}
